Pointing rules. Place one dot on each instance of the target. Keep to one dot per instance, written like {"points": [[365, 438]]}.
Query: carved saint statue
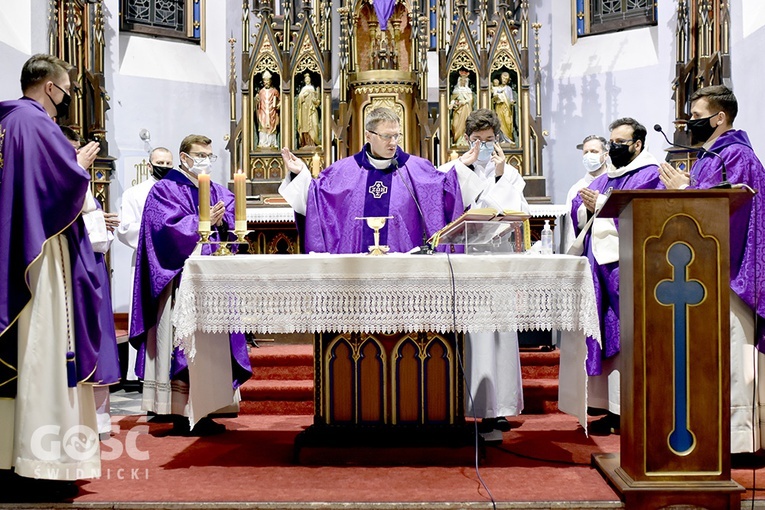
{"points": [[461, 104], [268, 113], [308, 101], [503, 99]]}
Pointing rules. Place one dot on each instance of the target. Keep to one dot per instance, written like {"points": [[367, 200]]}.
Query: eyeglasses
{"points": [[611, 143], [488, 144], [388, 138], [204, 155]]}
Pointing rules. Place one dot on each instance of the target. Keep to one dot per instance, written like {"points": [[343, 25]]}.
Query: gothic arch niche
{"points": [[504, 99], [265, 82], [306, 90], [463, 99]]}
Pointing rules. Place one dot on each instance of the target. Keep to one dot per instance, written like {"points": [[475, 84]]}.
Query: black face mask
{"points": [[62, 108], [701, 129], [159, 172], [620, 154]]}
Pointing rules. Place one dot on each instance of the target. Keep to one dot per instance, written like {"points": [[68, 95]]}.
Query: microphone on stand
{"points": [[724, 184], [425, 248]]}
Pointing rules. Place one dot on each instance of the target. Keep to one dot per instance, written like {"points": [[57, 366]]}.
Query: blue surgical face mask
{"points": [[486, 150]]}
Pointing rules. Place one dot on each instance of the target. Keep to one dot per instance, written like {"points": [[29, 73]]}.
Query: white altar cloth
{"points": [[396, 292]]}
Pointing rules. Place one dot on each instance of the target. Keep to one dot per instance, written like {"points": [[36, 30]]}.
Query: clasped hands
{"points": [[672, 178], [589, 198]]}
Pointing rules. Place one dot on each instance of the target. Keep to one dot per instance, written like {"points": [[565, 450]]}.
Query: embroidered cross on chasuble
{"points": [[377, 201]]}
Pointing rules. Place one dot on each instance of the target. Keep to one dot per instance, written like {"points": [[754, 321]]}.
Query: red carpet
{"points": [[544, 458], [543, 462]]}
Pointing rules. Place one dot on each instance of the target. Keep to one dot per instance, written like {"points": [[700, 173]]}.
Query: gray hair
{"points": [[603, 142], [379, 115]]}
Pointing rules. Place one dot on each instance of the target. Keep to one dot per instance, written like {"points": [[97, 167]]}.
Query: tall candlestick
{"points": [[240, 201], [454, 156], [204, 202]]}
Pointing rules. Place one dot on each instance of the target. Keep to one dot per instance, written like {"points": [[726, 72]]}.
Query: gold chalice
{"points": [[376, 223]]}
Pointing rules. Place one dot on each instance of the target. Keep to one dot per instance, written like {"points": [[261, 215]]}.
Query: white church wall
{"points": [[23, 32], [597, 79], [748, 41]]}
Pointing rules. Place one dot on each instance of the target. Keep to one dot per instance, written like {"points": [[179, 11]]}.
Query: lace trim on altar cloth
{"points": [[248, 303]]}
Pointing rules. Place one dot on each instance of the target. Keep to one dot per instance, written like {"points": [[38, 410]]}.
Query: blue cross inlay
{"points": [[680, 293], [378, 189]]}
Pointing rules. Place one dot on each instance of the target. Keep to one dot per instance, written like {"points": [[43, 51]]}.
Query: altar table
{"points": [[363, 294]]}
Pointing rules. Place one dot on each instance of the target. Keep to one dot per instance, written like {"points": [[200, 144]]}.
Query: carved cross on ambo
{"points": [[680, 293]]}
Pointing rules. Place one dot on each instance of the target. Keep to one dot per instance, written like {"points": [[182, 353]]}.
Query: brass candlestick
{"points": [[223, 246]]}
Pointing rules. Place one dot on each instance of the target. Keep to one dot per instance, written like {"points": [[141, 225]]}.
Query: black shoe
{"points": [[486, 425], [502, 424], [489, 424], [607, 425], [204, 427]]}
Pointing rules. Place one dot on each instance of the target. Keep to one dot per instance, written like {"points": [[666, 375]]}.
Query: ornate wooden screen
{"points": [[76, 35]]}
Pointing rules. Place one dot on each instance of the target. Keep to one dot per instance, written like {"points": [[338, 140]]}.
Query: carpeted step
{"points": [[281, 373], [540, 364], [282, 362], [277, 390], [540, 396], [276, 407], [282, 356]]}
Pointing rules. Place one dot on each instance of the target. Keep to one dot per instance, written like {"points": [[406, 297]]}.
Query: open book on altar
{"points": [[487, 227]]}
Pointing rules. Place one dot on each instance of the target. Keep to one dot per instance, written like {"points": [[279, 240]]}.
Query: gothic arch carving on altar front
{"points": [[362, 359], [423, 361]]}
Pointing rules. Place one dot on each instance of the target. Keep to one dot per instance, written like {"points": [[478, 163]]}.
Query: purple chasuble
{"points": [[606, 276], [347, 190], [747, 223], [168, 236], [108, 369], [42, 189]]}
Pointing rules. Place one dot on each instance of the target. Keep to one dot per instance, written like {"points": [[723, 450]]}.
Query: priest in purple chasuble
{"points": [[713, 110], [168, 236], [107, 370], [381, 180], [633, 168], [49, 287]]}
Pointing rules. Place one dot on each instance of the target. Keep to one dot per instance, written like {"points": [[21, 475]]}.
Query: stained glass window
{"points": [[600, 16], [164, 18]]}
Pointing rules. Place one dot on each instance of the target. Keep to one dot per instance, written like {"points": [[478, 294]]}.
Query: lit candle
{"points": [[204, 202], [454, 156], [240, 201], [315, 165]]}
